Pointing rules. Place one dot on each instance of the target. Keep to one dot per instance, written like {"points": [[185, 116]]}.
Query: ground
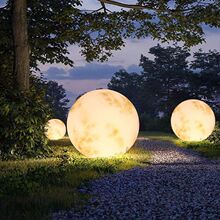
{"points": [[155, 178], [205, 148], [32, 188], [177, 184]]}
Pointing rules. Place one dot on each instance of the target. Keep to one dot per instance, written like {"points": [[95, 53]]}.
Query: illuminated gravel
{"points": [[179, 184]]}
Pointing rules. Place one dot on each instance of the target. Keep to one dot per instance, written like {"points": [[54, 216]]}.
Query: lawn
{"points": [[205, 148], [32, 188]]}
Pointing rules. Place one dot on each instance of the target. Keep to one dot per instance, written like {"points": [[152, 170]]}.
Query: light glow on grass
{"points": [[206, 148], [31, 188]]}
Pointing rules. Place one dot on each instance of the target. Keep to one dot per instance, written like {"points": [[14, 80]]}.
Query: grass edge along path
{"points": [[32, 188], [205, 148]]}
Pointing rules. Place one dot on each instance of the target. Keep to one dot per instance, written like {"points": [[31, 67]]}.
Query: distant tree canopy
{"points": [[207, 67], [165, 77], [55, 96], [169, 79], [54, 25]]}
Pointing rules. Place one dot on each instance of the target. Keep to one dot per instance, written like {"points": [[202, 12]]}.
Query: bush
{"points": [[149, 123], [215, 136], [23, 117]]}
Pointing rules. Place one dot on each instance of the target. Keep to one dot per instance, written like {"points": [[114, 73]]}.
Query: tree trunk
{"points": [[21, 46]]}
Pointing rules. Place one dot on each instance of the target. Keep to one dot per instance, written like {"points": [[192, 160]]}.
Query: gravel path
{"points": [[179, 184]]}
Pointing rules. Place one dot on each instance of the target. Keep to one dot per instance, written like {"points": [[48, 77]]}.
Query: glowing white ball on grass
{"points": [[102, 123], [193, 120], [55, 129]]}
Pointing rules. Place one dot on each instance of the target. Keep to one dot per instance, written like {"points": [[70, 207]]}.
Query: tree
{"points": [[128, 84], [165, 78], [20, 44], [206, 66], [55, 96], [54, 25], [205, 80]]}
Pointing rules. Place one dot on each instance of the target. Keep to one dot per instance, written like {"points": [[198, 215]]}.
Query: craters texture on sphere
{"points": [[55, 129], [103, 123], [193, 120]]}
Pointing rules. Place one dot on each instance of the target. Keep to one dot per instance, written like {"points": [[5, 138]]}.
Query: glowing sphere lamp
{"points": [[193, 120], [55, 129], [102, 123]]}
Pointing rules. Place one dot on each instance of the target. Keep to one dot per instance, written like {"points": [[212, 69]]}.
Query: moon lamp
{"points": [[193, 120], [55, 129], [102, 123]]}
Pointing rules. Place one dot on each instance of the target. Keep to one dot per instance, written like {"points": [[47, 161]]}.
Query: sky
{"points": [[88, 76]]}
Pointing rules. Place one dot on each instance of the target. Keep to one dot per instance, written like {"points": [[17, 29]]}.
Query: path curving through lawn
{"points": [[177, 184]]}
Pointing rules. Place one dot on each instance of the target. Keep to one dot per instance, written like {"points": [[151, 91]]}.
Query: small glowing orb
{"points": [[55, 129], [193, 120], [102, 123]]}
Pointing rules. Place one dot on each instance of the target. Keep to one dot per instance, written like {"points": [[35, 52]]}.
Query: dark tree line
{"points": [[167, 80], [55, 96]]}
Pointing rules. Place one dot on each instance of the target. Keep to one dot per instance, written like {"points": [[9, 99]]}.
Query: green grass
{"points": [[32, 188], [205, 148]]}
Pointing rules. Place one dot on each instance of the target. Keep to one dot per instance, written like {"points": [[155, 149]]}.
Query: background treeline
{"points": [[168, 79]]}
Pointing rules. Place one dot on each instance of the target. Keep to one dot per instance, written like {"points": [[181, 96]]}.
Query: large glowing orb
{"points": [[102, 123], [55, 129], [193, 120]]}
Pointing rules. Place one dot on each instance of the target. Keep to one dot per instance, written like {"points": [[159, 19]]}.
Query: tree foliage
{"points": [[55, 97], [54, 25], [166, 77], [167, 80], [207, 66], [215, 136], [128, 84], [22, 124], [23, 117]]}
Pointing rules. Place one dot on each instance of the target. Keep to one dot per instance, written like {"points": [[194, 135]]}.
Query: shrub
{"points": [[23, 117], [215, 136]]}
